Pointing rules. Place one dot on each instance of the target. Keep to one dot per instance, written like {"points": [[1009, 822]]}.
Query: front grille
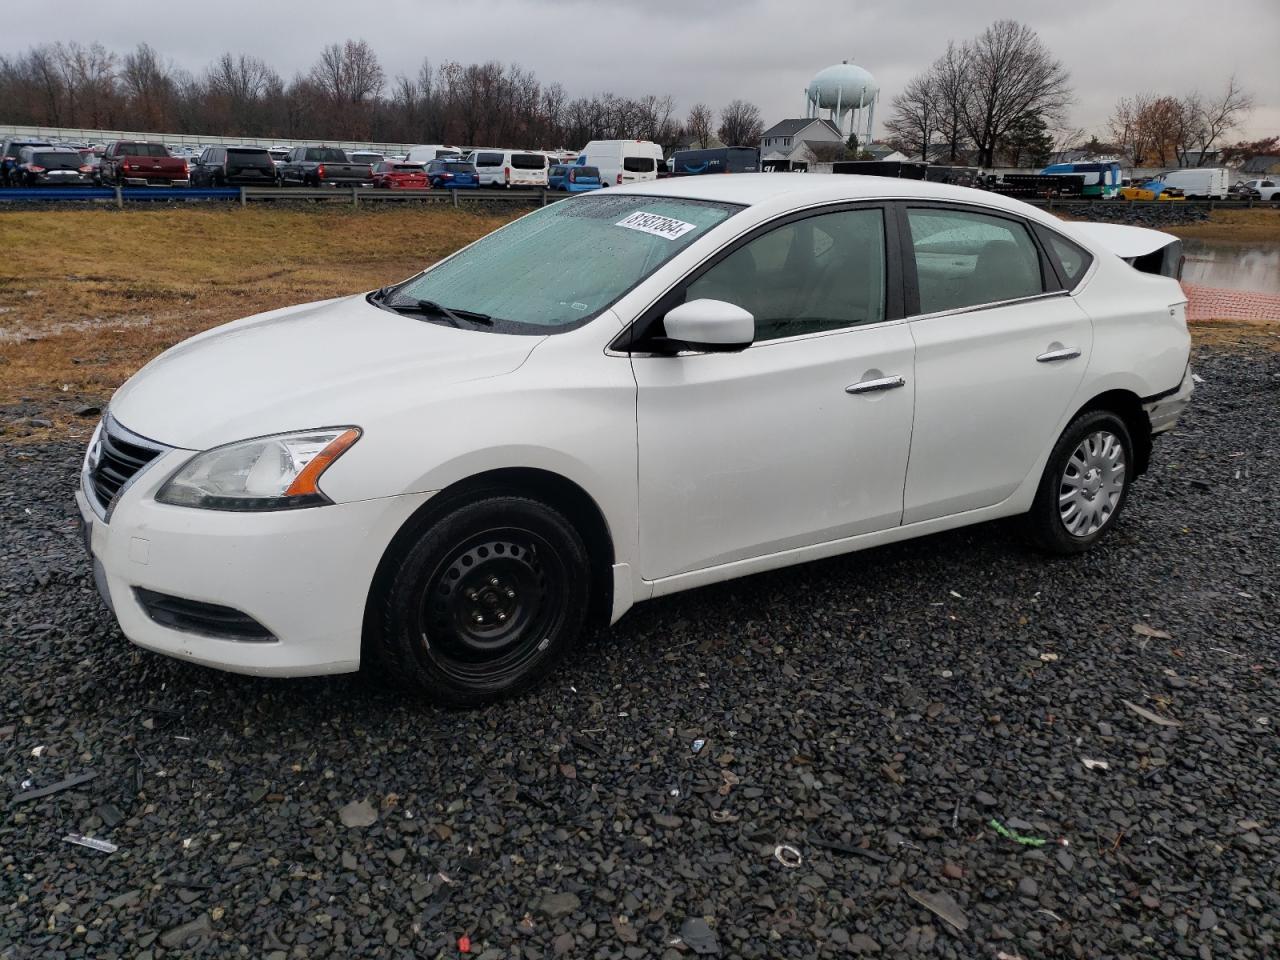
{"points": [[121, 456], [196, 616]]}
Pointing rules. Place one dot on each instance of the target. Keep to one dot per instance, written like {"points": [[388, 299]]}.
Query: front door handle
{"points": [[1053, 356], [872, 386]]}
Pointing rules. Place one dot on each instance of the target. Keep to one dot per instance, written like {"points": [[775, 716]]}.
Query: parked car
{"points": [[425, 153], [623, 161], [372, 158], [1150, 189], [400, 176], [617, 397], [323, 167], [139, 163], [1262, 189], [234, 167], [572, 178], [1210, 183], [9, 158], [452, 174], [510, 168], [51, 166]]}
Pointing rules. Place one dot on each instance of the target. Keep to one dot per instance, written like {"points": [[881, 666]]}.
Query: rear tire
{"points": [[487, 601], [1084, 486]]}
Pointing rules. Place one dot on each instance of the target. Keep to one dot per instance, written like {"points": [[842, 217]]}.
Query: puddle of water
{"points": [[1233, 266]]}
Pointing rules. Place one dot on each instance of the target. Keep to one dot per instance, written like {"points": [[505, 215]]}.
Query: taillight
{"points": [[573, 176], [126, 166], [320, 172], [86, 169], [506, 173], [34, 169], [619, 178]]}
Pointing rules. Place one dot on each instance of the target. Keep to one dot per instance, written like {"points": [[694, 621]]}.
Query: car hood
{"points": [[331, 363]]}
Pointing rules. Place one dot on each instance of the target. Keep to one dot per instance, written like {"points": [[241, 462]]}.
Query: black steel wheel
{"points": [[486, 601]]}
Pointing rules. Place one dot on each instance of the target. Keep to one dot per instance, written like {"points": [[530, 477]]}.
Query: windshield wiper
{"points": [[453, 316]]}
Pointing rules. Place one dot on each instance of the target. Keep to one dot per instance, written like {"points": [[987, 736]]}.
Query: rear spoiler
{"points": [[1150, 251]]}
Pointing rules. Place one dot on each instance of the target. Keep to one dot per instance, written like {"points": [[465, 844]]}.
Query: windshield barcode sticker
{"points": [[656, 225]]}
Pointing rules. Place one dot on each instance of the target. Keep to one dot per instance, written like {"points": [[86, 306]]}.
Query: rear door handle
{"points": [[871, 386], [1053, 356]]}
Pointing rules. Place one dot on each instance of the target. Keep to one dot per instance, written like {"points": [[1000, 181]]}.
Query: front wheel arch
{"points": [[552, 489]]}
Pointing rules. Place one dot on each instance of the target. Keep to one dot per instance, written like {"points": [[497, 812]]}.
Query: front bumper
{"points": [[304, 575], [1164, 411]]}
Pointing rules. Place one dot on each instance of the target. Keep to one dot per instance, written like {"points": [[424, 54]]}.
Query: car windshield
{"points": [[561, 265]]}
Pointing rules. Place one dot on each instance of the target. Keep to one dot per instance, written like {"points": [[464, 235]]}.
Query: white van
{"points": [[510, 168], [425, 153], [1209, 182], [623, 161]]}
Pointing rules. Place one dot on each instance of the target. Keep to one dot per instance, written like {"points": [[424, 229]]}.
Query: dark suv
{"points": [[51, 166], [233, 166], [9, 158]]}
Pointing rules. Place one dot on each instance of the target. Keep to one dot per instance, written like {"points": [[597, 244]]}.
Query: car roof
{"points": [[803, 189]]}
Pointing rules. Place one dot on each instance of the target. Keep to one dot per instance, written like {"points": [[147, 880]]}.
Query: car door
{"points": [[801, 438], [1000, 352]]}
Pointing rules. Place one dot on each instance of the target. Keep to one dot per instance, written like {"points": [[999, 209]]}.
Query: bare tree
{"points": [[740, 124], [1011, 75], [915, 118], [147, 87], [1222, 114], [698, 125]]}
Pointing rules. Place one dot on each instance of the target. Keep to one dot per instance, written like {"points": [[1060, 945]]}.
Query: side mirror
{"points": [[710, 326]]}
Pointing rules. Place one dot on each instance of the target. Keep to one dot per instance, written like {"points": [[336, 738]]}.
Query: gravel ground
{"points": [[876, 712]]}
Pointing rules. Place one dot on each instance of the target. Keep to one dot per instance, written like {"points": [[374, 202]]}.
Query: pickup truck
{"points": [[322, 167], [134, 162]]}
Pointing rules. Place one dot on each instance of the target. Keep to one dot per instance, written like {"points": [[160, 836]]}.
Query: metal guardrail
{"points": [[119, 196]]}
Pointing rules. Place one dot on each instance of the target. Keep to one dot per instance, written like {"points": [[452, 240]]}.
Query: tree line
{"points": [[346, 95], [1000, 97]]}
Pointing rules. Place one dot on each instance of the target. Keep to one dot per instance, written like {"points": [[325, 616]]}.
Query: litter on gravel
{"points": [[102, 846], [1146, 714]]}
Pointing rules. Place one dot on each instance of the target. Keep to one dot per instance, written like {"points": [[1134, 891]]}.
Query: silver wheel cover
{"points": [[1091, 484]]}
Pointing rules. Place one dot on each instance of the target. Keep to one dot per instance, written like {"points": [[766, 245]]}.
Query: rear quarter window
{"points": [[1071, 260]]}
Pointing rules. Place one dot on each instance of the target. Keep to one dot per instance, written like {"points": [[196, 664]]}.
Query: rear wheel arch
{"points": [[1127, 405], [552, 489]]}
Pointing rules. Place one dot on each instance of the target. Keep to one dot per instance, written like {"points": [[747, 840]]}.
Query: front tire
{"points": [[1085, 484], [487, 601]]}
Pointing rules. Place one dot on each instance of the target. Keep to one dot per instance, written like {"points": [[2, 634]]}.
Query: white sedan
{"points": [[616, 397]]}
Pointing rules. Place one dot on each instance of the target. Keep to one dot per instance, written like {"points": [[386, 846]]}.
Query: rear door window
{"points": [[488, 159], [638, 164], [964, 259]]}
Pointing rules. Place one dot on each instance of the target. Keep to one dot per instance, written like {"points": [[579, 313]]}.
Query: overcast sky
{"points": [[765, 51]]}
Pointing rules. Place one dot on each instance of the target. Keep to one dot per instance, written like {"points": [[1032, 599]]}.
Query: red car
{"points": [[400, 176]]}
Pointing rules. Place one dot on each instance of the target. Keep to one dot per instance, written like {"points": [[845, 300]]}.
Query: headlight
{"points": [[269, 473]]}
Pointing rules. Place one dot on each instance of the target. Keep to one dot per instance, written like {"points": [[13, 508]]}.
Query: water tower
{"points": [[845, 90]]}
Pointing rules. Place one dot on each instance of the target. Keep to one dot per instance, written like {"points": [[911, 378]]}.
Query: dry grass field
{"points": [[1259, 225], [88, 296]]}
